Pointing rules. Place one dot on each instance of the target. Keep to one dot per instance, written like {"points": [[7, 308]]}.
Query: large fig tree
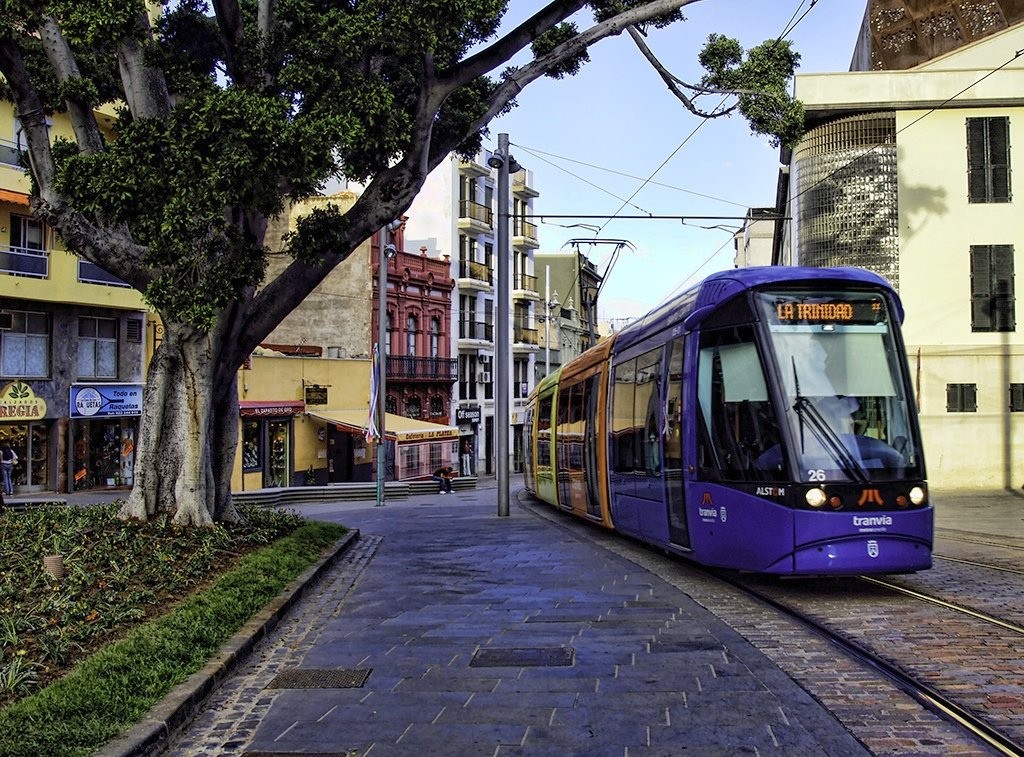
{"points": [[223, 112]]}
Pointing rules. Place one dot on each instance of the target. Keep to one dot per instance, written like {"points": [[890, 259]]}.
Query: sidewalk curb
{"points": [[150, 735]]}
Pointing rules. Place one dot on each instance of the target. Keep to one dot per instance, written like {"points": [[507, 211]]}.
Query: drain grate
{"points": [[311, 678], [524, 657]]}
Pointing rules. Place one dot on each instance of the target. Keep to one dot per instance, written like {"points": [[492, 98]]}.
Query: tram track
{"points": [[896, 666]]}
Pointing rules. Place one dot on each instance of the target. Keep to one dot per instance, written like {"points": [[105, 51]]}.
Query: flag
{"points": [[371, 433]]}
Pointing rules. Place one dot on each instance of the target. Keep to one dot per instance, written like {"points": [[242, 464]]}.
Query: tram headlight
{"points": [[815, 497], [917, 495]]}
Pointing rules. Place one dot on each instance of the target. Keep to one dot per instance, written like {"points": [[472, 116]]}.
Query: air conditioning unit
{"points": [[484, 377]]}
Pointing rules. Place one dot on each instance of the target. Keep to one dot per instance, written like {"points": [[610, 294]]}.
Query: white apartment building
{"points": [[910, 173], [456, 214]]}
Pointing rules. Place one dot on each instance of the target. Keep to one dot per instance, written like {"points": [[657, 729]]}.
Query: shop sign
{"points": [[269, 408], [421, 435], [316, 395], [467, 415], [17, 400], [103, 400]]}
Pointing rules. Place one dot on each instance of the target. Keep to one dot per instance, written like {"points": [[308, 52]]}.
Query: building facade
{"points": [[456, 214], [72, 347], [574, 283], [909, 173]]}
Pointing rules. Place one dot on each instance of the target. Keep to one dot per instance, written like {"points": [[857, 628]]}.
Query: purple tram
{"points": [[763, 421]]}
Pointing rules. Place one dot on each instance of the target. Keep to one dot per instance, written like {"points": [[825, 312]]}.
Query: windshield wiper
{"points": [[826, 436]]}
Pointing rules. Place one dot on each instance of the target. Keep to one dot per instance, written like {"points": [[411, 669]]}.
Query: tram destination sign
{"points": [[851, 310]]}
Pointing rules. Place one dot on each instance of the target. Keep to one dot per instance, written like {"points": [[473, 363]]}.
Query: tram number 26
{"points": [[815, 474]]}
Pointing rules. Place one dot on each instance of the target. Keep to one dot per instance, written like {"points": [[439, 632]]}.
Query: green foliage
{"points": [[763, 75], [551, 39], [605, 9], [117, 574]]}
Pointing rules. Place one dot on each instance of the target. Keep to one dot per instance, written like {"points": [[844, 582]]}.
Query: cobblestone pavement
{"points": [[465, 622], [232, 715]]}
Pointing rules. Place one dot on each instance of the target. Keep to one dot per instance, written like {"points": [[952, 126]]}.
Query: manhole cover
{"points": [[331, 678], [524, 657]]}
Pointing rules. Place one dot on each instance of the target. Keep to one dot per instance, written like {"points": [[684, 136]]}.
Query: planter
{"points": [[54, 565]]}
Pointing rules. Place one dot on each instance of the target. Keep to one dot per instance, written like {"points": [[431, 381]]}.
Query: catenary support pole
{"points": [[502, 337]]}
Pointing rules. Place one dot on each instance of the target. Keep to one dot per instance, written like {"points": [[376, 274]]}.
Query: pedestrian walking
{"points": [[8, 459]]}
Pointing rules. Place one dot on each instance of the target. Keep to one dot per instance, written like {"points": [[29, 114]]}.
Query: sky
{"points": [[614, 133]]}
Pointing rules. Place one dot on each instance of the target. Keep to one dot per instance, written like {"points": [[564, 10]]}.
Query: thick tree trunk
{"points": [[188, 434]]}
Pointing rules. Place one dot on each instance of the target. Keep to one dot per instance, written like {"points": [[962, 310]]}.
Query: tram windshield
{"points": [[844, 399]]}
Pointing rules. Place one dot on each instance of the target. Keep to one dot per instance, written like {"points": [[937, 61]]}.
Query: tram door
{"points": [[672, 444]]}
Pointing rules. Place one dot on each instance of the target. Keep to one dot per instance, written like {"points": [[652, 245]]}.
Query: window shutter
{"points": [[1003, 307], [999, 158], [981, 287], [952, 398], [970, 398], [1016, 398], [976, 183]]}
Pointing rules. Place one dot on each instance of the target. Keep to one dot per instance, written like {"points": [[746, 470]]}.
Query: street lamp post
{"points": [[387, 251], [504, 163]]}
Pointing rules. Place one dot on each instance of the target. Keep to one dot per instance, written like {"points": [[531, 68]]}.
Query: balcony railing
{"points": [[523, 228], [524, 335], [426, 368], [10, 154], [24, 261], [90, 273], [476, 330], [477, 212], [470, 269], [526, 282]]}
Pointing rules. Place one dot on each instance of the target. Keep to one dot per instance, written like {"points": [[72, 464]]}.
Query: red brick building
{"points": [[420, 369]]}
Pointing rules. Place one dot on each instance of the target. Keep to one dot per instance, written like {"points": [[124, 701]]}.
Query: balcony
{"points": [[474, 217], [524, 234], [524, 339], [524, 287], [90, 273], [522, 184], [25, 261], [413, 368], [476, 331], [477, 166], [476, 276]]}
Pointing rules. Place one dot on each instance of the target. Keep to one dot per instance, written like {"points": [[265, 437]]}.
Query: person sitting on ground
{"points": [[444, 477]]}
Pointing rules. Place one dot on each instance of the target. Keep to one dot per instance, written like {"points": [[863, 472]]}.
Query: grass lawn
{"points": [[140, 607]]}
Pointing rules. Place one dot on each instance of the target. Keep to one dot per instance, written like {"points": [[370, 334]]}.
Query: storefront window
{"points": [[103, 452], [279, 453], [251, 445]]}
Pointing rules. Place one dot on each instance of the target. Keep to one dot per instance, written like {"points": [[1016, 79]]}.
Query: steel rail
{"points": [[926, 695]]}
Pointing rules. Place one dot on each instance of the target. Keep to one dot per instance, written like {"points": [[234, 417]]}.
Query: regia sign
{"points": [[467, 415], [101, 400]]}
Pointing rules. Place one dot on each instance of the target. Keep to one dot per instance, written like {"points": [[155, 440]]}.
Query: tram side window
{"points": [[623, 439], [544, 432], [646, 418], [740, 433]]}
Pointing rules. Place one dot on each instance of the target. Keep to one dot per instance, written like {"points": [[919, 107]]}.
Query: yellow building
{"points": [[910, 173], [72, 349]]}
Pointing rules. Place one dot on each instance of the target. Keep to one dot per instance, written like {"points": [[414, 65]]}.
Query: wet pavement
{"points": [[445, 629]]}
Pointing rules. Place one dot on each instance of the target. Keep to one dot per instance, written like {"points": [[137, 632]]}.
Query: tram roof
{"points": [[722, 286]]}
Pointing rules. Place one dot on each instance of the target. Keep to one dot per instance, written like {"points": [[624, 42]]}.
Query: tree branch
{"points": [[513, 84], [58, 52], [673, 83], [145, 89]]}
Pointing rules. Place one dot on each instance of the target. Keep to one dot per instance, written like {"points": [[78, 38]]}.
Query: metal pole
{"points": [[382, 361], [547, 320], [503, 342]]}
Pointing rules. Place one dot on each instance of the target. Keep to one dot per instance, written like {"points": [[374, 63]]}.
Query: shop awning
{"points": [[395, 426], [270, 408], [18, 198]]}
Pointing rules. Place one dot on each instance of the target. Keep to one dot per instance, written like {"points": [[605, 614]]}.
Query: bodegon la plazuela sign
{"points": [[98, 400], [17, 400]]}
